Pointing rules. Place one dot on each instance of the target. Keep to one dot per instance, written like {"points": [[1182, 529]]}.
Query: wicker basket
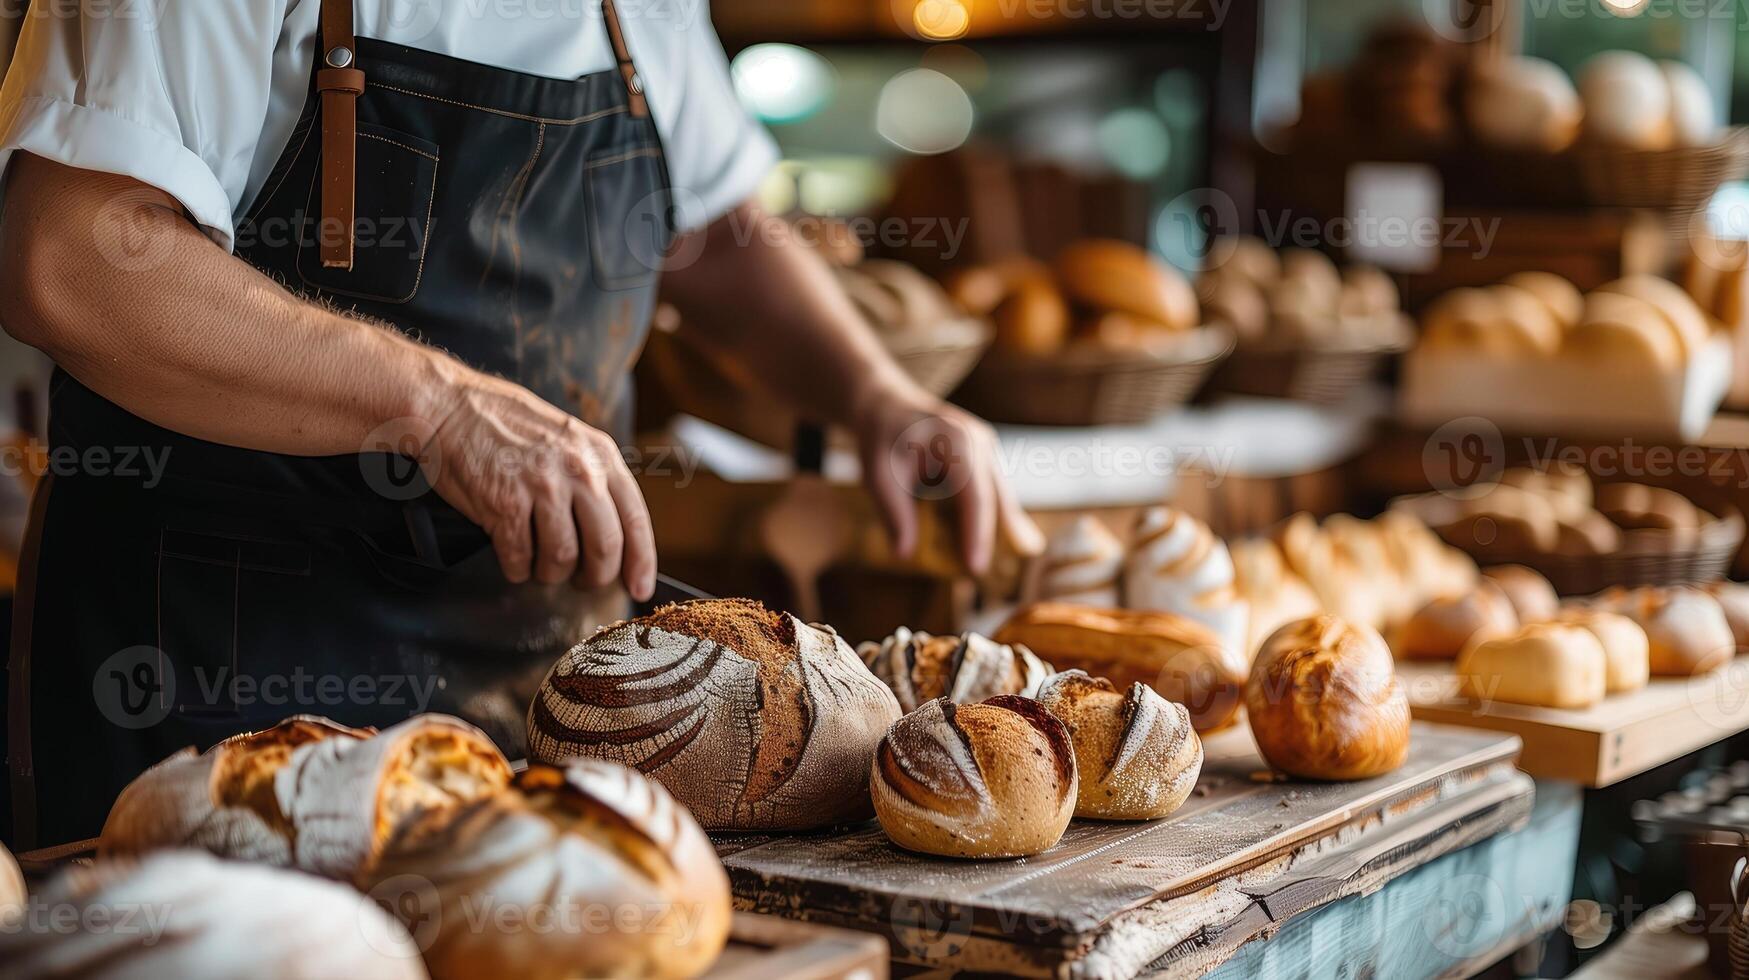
{"points": [[1321, 375], [1682, 179], [1088, 385], [1647, 557], [937, 366]]}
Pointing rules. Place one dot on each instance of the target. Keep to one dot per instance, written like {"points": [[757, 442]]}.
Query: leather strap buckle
{"points": [[339, 85]]}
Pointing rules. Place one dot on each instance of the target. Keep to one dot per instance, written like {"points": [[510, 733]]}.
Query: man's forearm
{"points": [[188, 337]]}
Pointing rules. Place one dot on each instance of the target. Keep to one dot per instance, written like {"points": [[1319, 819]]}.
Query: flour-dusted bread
{"points": [[188, 915], [1082, 563], [1179, 657], [1177, 565], [1324, 702], [305, 793], [1531, 595], [1686, 630], [919, 667], [592, 870], [1441, 629], [1554, 665], [1626, 653], [1136, 755], [989, 780], [752, 718]]}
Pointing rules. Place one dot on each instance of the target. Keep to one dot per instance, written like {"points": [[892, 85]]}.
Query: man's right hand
{"points": [[551, 491]]}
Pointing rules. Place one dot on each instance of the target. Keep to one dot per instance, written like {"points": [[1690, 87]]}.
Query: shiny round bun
{"points": [[1531, 595], [1686, 629], [989, 780], [1324, 701], [1442, 628], [1136, 755]]}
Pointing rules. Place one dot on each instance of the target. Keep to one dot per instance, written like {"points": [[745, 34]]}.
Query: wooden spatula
{"points": [[806, 529]]}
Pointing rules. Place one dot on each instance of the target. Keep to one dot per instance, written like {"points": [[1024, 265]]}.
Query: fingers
{"points": [[598, 522], [898, 505], [512, 537], [639, 571], [1023, 534], [555, 532], [977, 502]]}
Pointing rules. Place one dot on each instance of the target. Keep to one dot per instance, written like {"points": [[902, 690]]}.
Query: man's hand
{"points": [[550, 490], [911, 446]]}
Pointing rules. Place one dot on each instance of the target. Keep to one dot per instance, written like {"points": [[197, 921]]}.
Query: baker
{"points": [[368, 276]]}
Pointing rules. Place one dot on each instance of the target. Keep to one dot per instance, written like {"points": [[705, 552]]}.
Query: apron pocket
{"points": [[396, 188], [630, 225], [201, 588]]}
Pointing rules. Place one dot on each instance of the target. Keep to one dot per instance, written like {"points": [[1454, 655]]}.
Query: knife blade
{"points": [[668, 589]]}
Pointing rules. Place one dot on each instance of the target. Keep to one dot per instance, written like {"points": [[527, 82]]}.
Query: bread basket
{"points": [[1322, 375], [1680, 179], [939, 360], [1086, 384]]}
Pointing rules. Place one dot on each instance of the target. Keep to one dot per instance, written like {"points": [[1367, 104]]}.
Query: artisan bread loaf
{"points": [[1626, 661], [1523, 103], [187, 915], [587, 871], [1562, 299], [1176, 656], [918, 667], [1679, 309], [305, 793], [1686, 630], [753, 719], [1324, 702], [1733, 600], [1636, 506], [1136, 755], [1531, 595], [1626, 329], [1106, 274], [1177, 565], [1441, 629], [1082, 563], [1554, 665], [989, 780], [1033, 319], [1272, 591]]}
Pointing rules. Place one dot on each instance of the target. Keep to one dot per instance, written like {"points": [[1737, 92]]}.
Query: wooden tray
{"points": [[1173, 896], [1620, 737]]}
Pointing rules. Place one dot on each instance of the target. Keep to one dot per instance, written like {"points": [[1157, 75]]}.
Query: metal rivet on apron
{"points": [[339, 57], [636, 84]]}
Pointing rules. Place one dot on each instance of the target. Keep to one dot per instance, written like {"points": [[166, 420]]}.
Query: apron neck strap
{"points": [[628, 72], [339, 83]]}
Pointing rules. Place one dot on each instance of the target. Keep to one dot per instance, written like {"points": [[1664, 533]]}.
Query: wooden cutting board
{"points": [[1172, 896]]}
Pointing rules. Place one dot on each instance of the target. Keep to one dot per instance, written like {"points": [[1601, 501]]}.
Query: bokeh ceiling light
{"points": [[941, 20], [923, 111], [1135, 142], [781, 83]]}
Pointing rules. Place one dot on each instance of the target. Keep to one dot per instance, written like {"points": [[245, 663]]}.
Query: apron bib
{"points": [[513, 220]]}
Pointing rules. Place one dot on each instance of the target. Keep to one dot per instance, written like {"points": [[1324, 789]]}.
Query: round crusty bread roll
{"points": [[1531, 595], [1523, 103], [918, 667], [1136, 755], [1368, 290], [1634, 506], [753, 719], [1237, 302], [1679, 308], [1562, 299], [588, 871], [1733, 599], [1324, 701], [306, 793], [188, 915], [1526, 316], [1246, 256], [1626, 663], [1177, 565], [1693, 121], [979, 289], [1616, 326], [1179, 657], [1033, 319], [1445, 625], [1082, 562], [1589, 534], [1627, 101], [1686, 630], [989, 780], [1554, 665], [1106, 274]]}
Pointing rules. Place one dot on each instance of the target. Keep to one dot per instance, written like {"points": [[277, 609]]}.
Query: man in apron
{"points": [[366, 464]]}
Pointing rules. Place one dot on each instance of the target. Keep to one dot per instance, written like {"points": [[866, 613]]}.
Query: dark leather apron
{"points": [[514, 220]]}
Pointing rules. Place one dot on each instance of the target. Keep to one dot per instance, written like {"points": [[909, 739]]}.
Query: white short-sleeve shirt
{"points": [[198, 97]]}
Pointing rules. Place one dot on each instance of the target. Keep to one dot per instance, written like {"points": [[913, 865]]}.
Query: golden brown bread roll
{"points": [[1589, 534], [1527, 318], [753, 719], [1531, 595], [1116, 330], [1679, 309], [1136, 755], [1182, 659], [1248, 257], [1733, 599], [990, 780], [306, 793], [918, 668], [1368, 290], [1626, 654], [1324, 702], [1626, 329], [1033, 318], [1634, 506], [1442, 627], [1549, 664], [1236, 302], [979, 289], [1106, 274], [592, 870], [1686, 630]]}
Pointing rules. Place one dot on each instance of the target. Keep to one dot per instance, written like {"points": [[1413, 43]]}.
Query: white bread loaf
{"points": [[1082, 563], [1177, 565], [305, 793], [1625, 329], [1549, 664], [187, 915], [1627, 101], [1136, 755], [989, 780], [918, 667], [1679, 309], [592, 871], [1693, 120], [1523, 103], [1626, 654], [753, 719]]}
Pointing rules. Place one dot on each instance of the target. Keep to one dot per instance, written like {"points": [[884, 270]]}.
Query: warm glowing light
{"points": [[781, 83], [1625, 8], [923, 111], [941, 20]]}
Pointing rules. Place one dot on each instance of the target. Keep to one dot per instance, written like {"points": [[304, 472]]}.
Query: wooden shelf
{"points": [[1622, 736]]}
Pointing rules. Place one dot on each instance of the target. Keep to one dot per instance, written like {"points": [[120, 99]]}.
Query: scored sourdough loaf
{"points": [[1553, 665], [306, 793], [187, 915], [593, 870], [1324, 702], [918, 667], [1136, 755], [989, 780], [753, 719], [1179, 657]]}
